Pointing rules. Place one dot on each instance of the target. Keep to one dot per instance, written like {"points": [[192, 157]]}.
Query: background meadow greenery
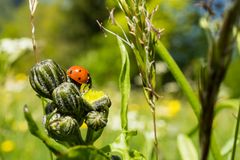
{"points": [[67, 32]]}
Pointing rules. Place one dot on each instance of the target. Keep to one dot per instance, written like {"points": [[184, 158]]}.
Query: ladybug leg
{"points": [[76, 83], [89, 82], [85, 87]]}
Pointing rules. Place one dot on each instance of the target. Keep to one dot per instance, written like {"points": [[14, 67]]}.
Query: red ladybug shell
{"points": [[79, 74]]}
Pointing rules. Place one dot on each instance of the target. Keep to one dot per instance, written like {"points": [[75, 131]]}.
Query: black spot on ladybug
{"points": [[79, 70], [79, 78], [70, 72]]}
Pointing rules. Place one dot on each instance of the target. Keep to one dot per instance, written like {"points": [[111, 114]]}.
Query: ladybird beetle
{"points": [[79, 75]]}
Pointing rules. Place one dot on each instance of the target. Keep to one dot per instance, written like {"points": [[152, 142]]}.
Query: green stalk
{"points": [[236, 135], [182, 81], [89, 136], [93, 135], [180, 78], [55, 147], [43, 105], [125, 87]]}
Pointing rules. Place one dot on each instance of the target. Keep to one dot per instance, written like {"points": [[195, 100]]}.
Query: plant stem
{"points": [[53, 146], [79, 138], [236, 135], [89, 136], [180, 78], [34, 39], [33, 6], [182, 81], [155, 132], [43, 105], [219, 58]]}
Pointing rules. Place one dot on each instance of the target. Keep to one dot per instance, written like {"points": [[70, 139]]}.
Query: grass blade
{"points": [[236, 135], [187, 89], [180, 78], [124, 84], [215, 149], [186, 148]]}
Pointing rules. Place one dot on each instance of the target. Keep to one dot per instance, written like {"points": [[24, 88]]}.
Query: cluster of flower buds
{"points": [[67, 106]]}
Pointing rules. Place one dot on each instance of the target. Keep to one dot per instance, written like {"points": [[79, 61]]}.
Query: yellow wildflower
{"points": [[92, 95], [173, 107], [7, 146], [169, 108]]}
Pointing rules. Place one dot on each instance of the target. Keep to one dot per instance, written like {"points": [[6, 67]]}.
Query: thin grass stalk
{"points": [[34, 44], [32, 7], [155, 132], [143, 40], [236, 135]]}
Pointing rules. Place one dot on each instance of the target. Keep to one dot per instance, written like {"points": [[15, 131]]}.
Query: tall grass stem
{"points": [[32, 7]]}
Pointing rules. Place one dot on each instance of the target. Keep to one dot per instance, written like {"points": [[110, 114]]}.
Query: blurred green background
{"points": [[67, 32]]}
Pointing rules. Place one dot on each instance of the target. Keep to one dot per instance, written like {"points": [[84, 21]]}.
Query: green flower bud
{"points": [[62, 128], [45, 76], [96, 100], [68, 99], [96, 120]]}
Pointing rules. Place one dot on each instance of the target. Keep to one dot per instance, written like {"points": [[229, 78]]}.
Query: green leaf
{"points": [[124, 84], [180, 78], [135, 155], [93, 135], [139, 59], [185, 86], [84, 152], [226, 104], [215, 149], [227, 148], [186, 148], [119, 148]]}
